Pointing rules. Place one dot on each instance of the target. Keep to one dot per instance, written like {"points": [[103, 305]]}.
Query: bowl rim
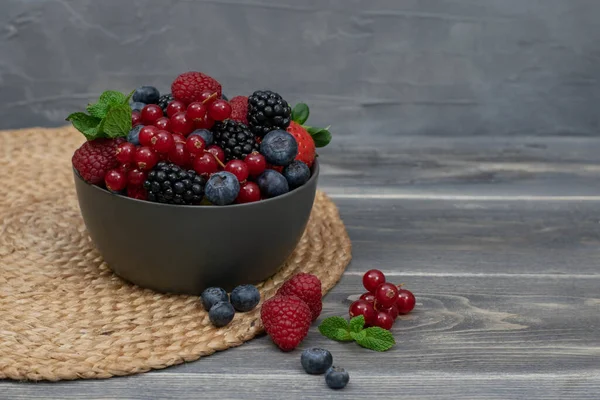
{"points": [[315, 173]]}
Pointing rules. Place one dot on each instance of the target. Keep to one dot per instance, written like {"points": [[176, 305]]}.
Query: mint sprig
{"points": [[110, 117], [321, 136], [374, 338]]}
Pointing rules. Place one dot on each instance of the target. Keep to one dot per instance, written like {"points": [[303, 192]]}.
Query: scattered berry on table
{"points": [[162, 142], [195, 144], [368, 297], [239, 109], [151, 113], [179, 138], [137, 192], [386, 294], [212, 296], [306, 144], [217, 152], [222, 188], [272, 184], [249, 193], [205, 164], [136, 177], [316, 361], [238, 168], [364, 308], [204, 134], [125, 152], [279, 148], [384, 320], [372, 279], [145, 158], [235, 139], [170, 184], [219, 110], [256, 163], [179, 155], [245, 297], [95, 158], [180, 123], [221, 314], [267, 111], [297, 174], [188, 86], [146, 94], [337, 378], [146, 134], [164, 100], [405, 301], [197, 111], [308, 288], [134, 135], [115, 180], [137, 106], [175, 107], [163, 123], [392, 310], [286, 320]]}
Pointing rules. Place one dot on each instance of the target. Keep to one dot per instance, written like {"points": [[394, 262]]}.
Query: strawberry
{"points": [[286, 320], [308, 288], [306, 144]]}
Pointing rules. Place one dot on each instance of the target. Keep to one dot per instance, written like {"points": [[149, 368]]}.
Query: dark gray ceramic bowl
{"points": [[185, 249]]}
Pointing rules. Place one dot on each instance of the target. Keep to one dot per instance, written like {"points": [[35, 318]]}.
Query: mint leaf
{"points": [[358, 336], [335, 328], [300, 113], [117, 121], [86, 124], [112, 98], [357, 324], [377, 339], [98, 110]]}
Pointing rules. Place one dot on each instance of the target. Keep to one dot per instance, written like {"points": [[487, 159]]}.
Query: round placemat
{"points": [[65, 315]]}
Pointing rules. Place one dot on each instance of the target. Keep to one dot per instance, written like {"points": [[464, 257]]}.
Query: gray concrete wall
{"points": [[381, 67]]}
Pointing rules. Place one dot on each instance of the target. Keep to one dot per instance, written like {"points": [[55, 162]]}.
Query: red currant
{"points": [[146, 135], [370, 297], [163, 142], [392, 310], [205, 164], [206, 124], [219, 110], [386, 294], [178, 137], [125, 152], [137, 192], [179, 155], [135, 177], [405, 301], [249, 193], [145, 158], [256, 163], [125, 168], [197, 112], [180, 123], [217, 152], [175, 107], [207, 97], [372, 279], [115, 180], [136, 118], [195, 145], [150, 113], [163, 123], [361, 307], [238, 168], [384, 320]]}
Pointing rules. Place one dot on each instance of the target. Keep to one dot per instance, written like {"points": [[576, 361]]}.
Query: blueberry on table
{"points": [[222, 188], [212, 296], [279, 147], [297, 174], [316, 361], [336, 378], [221, 314], [272, 184], [245, 297], [146, 94]]}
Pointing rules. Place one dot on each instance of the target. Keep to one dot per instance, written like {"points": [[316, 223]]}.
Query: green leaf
{"points": [[358, 336], [357, 324], [98, 110], [117, 122], [86, 124], [322, 138], [300, 113], [126, 101], [112, 97], [335, 328], [377, 339]]}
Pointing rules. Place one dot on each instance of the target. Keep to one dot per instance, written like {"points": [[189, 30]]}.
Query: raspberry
{"points": [[286, 319], [308, 288], [239, 109], [306, 144], [188, 86], [95, 158]]}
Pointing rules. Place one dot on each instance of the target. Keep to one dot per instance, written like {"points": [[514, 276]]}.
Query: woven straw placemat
{"points": [[64, 315]]}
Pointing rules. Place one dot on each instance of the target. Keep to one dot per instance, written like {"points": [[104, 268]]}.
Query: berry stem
{"points": [[216, 158], [210, 98]]}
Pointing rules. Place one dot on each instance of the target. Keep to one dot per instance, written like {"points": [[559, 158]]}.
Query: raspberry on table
{"points": [[286, 320], [308, 288]]}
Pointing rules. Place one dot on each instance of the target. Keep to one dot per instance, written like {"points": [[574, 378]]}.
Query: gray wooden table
{"points": [[498, 238]]}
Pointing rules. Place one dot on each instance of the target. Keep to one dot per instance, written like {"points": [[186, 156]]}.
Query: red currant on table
{"points": [[238, 168], [136, 118], [125, 152], [219, 110], [256, 163], [136, 177], [179, 155], [195, 145], [372, 279], [196, 111], [249, 193], [361, 307], [146, 135], [208, 97], [150, 113], [163, 142], [386, 294], [115, 180], [163, 123], [145, 158], [180, 123], [392, 310], [384, 320], [370, 297], [205, 164], [405, 301], [175, 107], [217, 152]]}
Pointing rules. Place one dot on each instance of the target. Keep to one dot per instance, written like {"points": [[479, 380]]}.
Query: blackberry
{"points": [[267, 111], [170, 184], [164, 101], [234, 138]]}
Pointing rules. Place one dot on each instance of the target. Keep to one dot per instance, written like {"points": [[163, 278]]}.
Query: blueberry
{"points": [[221, 314], [134, 135], [279, 147], [337, 378], [212, 296], [224, 97], [297, 174], [245, 297], [146, 94], [222, 188], [137, 106], [204, 134], [316, 361], [272, 183]]}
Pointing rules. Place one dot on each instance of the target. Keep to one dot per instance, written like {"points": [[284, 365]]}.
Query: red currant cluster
{"points": [[383, 302]]}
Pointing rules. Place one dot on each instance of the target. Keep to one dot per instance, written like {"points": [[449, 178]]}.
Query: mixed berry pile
{"points": [[193, 146]]}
